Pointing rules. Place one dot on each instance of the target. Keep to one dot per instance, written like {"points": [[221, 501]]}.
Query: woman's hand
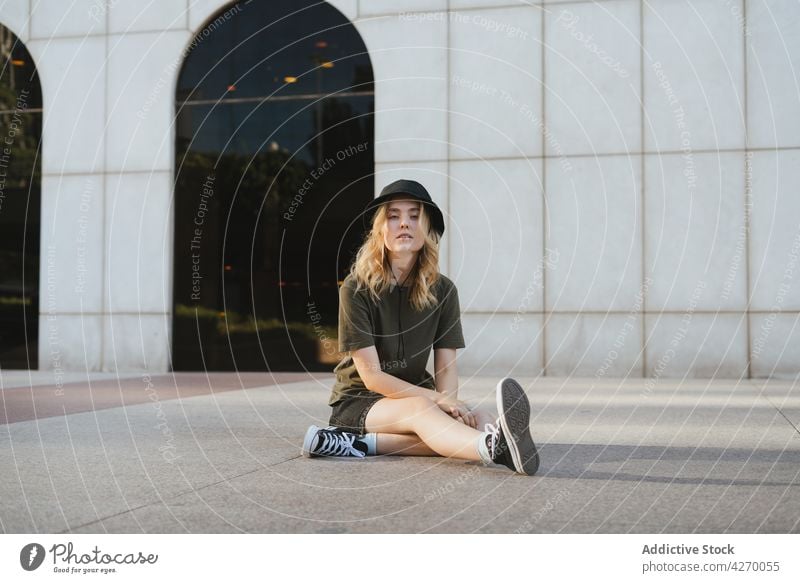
{"points": [[458, 410]]}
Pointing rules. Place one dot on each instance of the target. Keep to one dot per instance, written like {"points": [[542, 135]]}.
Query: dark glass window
{"points": [[274, 163], [20, 195]]}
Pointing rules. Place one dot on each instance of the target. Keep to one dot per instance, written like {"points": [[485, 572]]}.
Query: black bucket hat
{"points": [[410, 189]]}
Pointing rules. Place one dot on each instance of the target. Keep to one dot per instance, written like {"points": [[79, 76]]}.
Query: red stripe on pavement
{"points": [[43, 401]]}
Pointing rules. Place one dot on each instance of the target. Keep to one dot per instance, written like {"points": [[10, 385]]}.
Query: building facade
{"points": [[619, 178]]}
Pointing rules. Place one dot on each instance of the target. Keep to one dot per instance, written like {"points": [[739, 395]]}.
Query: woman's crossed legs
{"points": [[417, 426]]}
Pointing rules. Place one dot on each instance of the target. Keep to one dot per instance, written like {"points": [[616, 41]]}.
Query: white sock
{"points": [[371, 439], [483, 451]]}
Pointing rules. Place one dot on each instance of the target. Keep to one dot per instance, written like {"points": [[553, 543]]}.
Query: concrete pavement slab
{"points": [[617, 456]]}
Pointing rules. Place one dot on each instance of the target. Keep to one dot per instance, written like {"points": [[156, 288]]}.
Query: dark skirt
{"points": [[350, 414]]}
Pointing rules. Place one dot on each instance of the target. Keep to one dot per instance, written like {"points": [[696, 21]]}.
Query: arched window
{"points": [[20, 201], [274, 162]]}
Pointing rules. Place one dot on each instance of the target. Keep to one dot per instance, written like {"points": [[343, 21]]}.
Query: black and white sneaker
{"points": [[332, 442], [510, 442]]}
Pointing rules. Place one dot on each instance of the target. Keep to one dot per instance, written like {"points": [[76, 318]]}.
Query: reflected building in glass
{"points": [[273, 160]]}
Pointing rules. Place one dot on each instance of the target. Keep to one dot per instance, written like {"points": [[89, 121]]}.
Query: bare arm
{"points": [[369, 369], [445, 373]]}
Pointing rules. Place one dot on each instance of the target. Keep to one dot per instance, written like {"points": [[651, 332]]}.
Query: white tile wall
{"points": [[496, 242], [775, 345], [594, 218], [139, 226], [698, 46], [574, 1], [497, 344], [142, 74], [594, 345], [695, 236], [433, 176], [409, 60], [147, 15], [72, 74], [136, 342], [347, 7], [773, 60], [495, 83], [52, 18], [200, 11], [71, 265], [592, 70], [15, 16], [373, 7], [495, 230], [458, 4], [70, 342], [696, 345], [775, 230]]}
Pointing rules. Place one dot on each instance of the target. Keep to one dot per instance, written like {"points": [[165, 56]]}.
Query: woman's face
{"points": [[402, 233]]}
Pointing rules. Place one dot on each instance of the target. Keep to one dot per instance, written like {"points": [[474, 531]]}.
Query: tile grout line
{"points": [[509, 312], [642, 194], [107, 33], [176, 496], [760, 393], [543, 60], [106, 172], [104, 196], [748, 194], [592, 155], [448, 259]]}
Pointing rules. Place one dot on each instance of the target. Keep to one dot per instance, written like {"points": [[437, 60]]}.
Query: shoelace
{"points": [[494, 436], [336, 443]]}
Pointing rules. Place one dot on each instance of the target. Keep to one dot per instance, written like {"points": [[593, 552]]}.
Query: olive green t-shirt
{"points": [[402, 336]]}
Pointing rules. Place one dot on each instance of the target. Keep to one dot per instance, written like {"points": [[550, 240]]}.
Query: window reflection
{"points": [[20, 194], [271, 176]]}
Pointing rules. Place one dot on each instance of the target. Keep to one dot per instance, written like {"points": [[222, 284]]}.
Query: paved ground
{"points": [[190, 453]]}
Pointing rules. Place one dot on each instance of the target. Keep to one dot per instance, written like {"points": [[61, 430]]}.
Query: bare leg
{"points": [[420, 415], [402, 444], [483, 417]]}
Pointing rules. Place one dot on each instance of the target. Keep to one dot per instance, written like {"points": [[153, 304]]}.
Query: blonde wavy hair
{"points": [[371, 268]]}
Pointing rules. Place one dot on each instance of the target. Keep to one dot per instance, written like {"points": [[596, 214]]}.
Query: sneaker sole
{"points": [[515, 417], [308, 439]]}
